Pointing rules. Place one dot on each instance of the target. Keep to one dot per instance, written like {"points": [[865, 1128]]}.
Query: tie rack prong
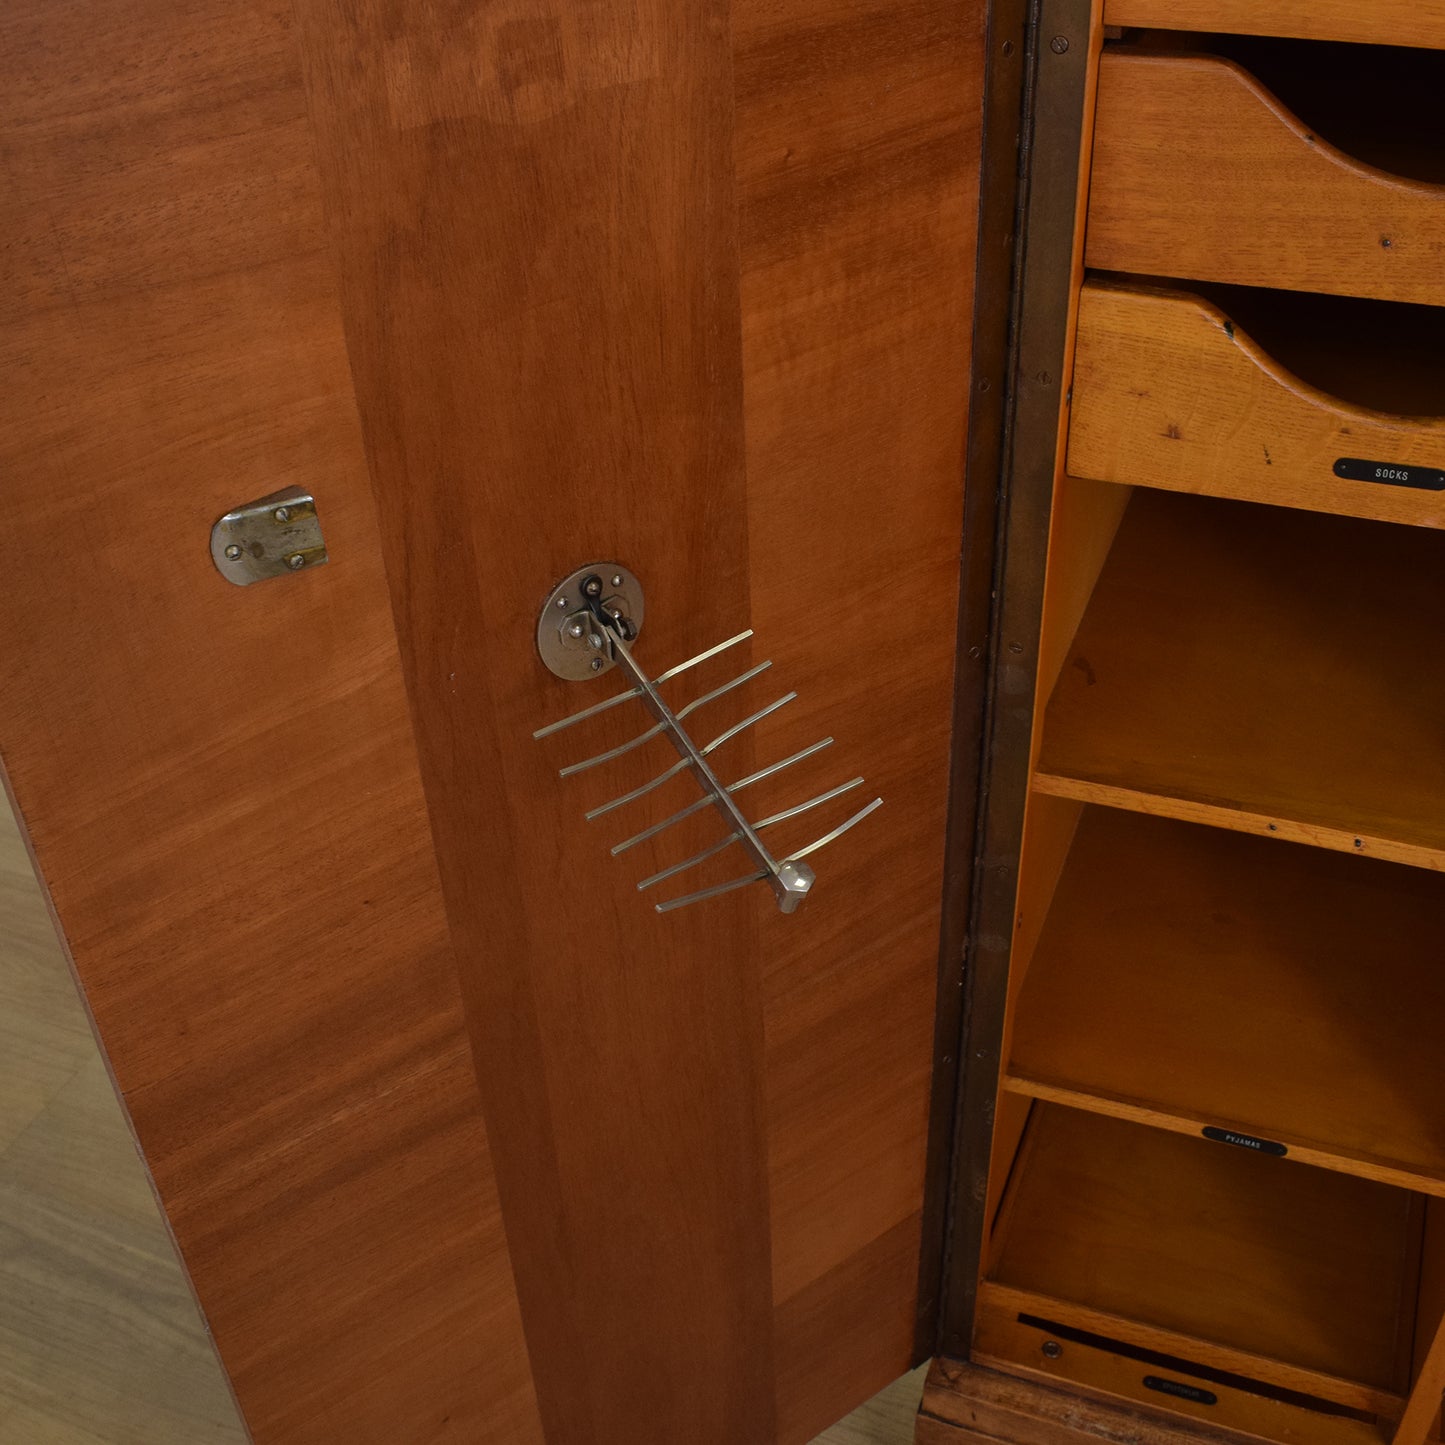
{"points": [[587, 627]]}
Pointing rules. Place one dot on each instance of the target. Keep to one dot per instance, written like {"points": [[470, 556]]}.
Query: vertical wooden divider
{"points": [[532, 205], [1422, 1411]]}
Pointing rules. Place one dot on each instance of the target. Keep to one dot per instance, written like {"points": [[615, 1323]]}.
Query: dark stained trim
{"points": [[1053, 107], [1006, 49]]}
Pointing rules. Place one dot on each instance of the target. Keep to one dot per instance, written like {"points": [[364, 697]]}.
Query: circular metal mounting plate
{"points": [[566, 648]]}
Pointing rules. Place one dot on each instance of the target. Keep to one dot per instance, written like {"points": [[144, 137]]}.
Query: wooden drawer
{"points": [[1380, 22], [1200, 172], [1170, 393], [1244, 1281]]}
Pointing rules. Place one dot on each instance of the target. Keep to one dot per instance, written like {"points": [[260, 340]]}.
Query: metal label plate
{"points": [[1391, 474]]}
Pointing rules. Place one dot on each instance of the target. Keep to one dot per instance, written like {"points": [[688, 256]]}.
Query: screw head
{"points": [[295, 561], [1059, 44], [596, 664], [232, 552], [282, 514], [575, 629], [593, 587], [561, 602], [617, 580], [1052, 1349]]}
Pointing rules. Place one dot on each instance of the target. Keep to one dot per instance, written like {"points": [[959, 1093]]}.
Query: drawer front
{"points": [[1169, 393], [1200, 173], [1380, 22], [1006, 1342]]}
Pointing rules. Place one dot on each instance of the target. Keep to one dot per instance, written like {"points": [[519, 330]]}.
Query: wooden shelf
{"points": [[1295, 1278], [1169, 391], [1199, 172], [1272, 671], [1383, 22], [1192, 978]]}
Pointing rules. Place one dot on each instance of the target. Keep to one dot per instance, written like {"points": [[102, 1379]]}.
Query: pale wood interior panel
{"points": [[219, 783], [1265, 1259], [1170, 392], [1194, 977], [1316, 1270], [1083, 524], [1430, 1316], [1082, 527], [1226, 1408], [858, 152], [1380, 22], [1424, 1421], [1421, 1420], [1383, 357], [1313, 83], [1264, 669], [1269, 203], [1049, 827]]}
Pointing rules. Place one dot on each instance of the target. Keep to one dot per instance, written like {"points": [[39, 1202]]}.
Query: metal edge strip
{"points": [[985, 858]]}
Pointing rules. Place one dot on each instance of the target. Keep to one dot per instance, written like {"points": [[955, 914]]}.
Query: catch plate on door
{"points": [[271, 537], [593, 617]]}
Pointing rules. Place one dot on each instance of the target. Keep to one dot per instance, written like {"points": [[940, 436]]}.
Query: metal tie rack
{"points": [[587, 627]]}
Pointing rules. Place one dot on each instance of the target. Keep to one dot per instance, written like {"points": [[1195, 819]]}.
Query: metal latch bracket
{"points": [[270, 537]]}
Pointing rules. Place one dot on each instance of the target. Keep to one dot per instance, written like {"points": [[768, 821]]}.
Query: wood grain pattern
{"points": [[1098, 1374], [1005, 1343], [1261, 669], [970, 1402], [219, 783], [1169, 392], [532, 210], [858, 154], [857, 354], [964, 1401], [1189, 977], [1083, 523], [1381, 22], [1200, 173], [1295, 1276]]}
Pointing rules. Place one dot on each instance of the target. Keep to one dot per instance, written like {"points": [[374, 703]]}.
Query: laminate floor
{"points": [[100, 1340], [887, 1419]]}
